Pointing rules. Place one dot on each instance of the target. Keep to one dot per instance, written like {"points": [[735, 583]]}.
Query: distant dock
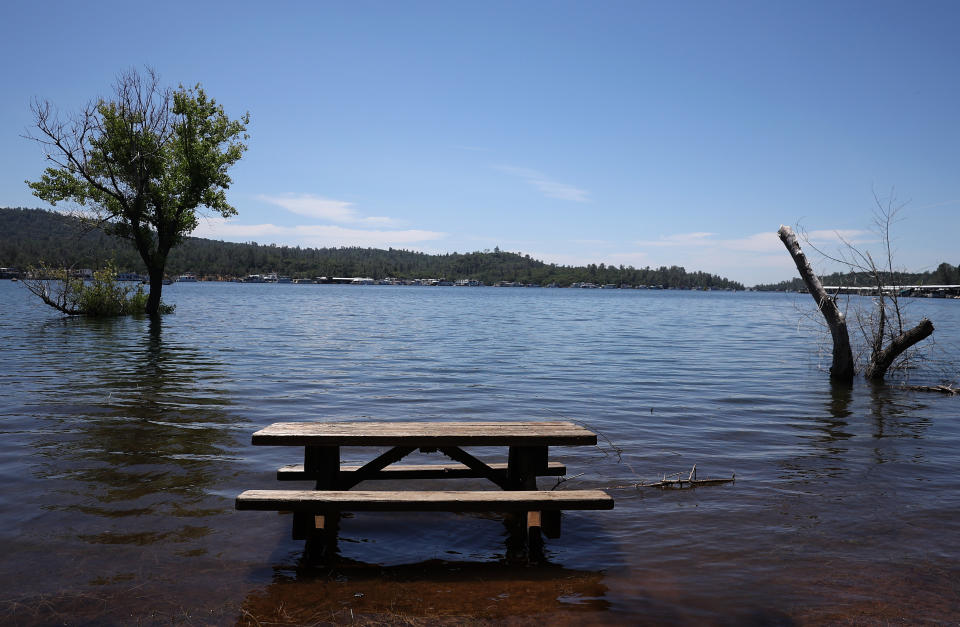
{"points": [[922, 291]]}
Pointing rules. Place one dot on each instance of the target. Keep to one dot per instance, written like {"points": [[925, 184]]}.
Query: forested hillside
{"points": [[28, 236]]}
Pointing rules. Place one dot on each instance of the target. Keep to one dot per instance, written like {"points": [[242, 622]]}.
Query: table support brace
{"points": [[457, 454], [371, 468]]}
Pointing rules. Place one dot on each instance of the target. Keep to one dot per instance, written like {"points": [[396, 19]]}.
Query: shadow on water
{"points": [[480, 570], [886, 419]]}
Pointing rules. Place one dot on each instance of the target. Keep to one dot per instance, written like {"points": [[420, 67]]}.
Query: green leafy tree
{"points": [[141, 164]]}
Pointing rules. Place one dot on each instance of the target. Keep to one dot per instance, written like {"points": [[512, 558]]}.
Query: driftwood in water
{"points": [[841, 369], [690, 482], [943, 389]]}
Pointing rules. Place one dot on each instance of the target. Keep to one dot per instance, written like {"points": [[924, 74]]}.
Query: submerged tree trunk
{"points": [[841, 370], [156, 287], [880, 360]]}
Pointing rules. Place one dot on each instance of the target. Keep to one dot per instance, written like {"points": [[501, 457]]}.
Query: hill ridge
{"points": [[34, 235]]}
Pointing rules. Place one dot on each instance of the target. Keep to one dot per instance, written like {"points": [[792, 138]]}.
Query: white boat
{"points": [[187, 278]]}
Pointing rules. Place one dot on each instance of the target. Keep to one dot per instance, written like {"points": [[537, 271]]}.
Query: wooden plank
{"points": [[319, 501], [426, 434], [371, 468], [295, 472], [457, 454]]}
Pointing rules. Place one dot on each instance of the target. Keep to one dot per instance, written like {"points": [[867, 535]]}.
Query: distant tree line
{"points": [[33, 235], [945, 274]]}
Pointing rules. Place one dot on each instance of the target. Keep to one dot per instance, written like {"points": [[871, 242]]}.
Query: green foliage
{"points": [[103, 297], [141, 164]]}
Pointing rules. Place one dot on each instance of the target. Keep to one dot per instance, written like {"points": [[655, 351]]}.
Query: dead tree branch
{"points": [[56, 288], [842, 368], [881, 360]]}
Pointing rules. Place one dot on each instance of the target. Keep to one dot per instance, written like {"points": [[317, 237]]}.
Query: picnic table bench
{"points": [[317, 511]]}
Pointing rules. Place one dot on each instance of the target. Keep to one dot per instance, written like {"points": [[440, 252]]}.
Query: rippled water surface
{"points": [[124, 443]]}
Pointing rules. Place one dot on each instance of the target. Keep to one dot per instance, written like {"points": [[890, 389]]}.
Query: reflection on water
{"points": [[125, 441], [840, 397], [124, 458], [897, 415], [141, 450]]}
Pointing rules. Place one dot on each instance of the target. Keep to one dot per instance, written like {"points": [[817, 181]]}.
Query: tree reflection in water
{"points": [[131, 442]]}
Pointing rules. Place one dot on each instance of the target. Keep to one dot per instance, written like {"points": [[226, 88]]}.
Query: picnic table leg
{"points": [[323, 464], [523, 465]]}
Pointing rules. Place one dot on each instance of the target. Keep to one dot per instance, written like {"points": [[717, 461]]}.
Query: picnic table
{"points": [[317, 511]]}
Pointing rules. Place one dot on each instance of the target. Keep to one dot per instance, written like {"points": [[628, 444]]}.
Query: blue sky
{"points": [[635, 133]]}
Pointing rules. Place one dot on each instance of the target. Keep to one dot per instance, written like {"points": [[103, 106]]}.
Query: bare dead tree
{"points": [[842, 368], [882, 327]]}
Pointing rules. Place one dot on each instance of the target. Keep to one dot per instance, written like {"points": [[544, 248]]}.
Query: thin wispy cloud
{"points": [[314, 235], [564, 259], [635, 259], [841, 236], [678, 239], [547, 186], [764, 242], [321, 208], [761, 254], [593, 242]]}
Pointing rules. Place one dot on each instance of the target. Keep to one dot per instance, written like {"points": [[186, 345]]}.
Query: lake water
{"points": [[125, 442]]}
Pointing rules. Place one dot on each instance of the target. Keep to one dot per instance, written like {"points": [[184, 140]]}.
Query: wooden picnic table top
{"points": [[425, 434]]}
